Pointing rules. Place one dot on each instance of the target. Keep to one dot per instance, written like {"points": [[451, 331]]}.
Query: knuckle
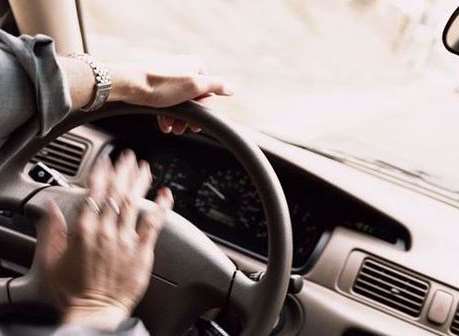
{"points": [[81, 229], [78, 235], [126, 243], [105, 235], [155, 221], [193, 86], [127, 205], [153, 98]]}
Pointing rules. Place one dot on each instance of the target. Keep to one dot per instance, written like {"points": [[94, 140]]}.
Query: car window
{"points": [[368, 77]]}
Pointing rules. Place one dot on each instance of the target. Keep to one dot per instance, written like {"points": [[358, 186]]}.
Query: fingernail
{"points": [[228, 92], [145, 164], [168, 129], [128, 152], [178, 131], [167, 197]]}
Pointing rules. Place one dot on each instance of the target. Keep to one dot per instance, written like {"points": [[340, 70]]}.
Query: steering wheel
{"points": [[191, 274]]}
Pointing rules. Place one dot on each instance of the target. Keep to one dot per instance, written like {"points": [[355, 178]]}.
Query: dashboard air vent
{"points": [[390, 287], [455, 324], [64, 154]]}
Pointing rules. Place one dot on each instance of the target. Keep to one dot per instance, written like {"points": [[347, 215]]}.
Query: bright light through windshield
{"points": [[362, 76]]}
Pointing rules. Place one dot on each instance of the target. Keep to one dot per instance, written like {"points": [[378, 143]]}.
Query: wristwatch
{"points": [[103, 82]]}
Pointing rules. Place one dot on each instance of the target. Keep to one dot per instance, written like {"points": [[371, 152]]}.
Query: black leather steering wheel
{"points": [[191, 274]]}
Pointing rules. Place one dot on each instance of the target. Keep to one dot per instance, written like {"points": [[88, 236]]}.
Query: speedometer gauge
{"points": [[176, 174], [228, 197]]}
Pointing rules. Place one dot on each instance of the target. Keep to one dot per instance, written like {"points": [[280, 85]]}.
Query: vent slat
{"points": [[396, 274], [394, 281], [69, 153], [65, 147], [400, 288], [454, 327], [58, 161], [64, 154], [389, 302], [391, 287], [60, 169], [61, 154], [390, 294]]}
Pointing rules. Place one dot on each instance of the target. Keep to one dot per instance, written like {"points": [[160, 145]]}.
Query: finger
{"points": [[203, 97], [51, 235], [128, 208], [151, 223], [142, 183], [125, 170], [211, 85], [195, 128], [179, 127], [87, 224], [165, 199], [110, 211], [98, 182], [165, 124], [127, 220]]}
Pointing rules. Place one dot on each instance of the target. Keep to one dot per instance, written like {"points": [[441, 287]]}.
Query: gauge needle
{"points": [[215, 190], [178, 186]]}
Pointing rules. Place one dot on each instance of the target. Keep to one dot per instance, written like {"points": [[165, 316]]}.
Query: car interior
{"points": [[266, 237]]}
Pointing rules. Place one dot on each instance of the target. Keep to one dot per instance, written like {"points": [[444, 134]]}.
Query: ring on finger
{"points": [[93, 205], [114, 205]]}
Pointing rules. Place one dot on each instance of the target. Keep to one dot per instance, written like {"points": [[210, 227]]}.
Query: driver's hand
{"points": [[166, 82], [100, 268]]}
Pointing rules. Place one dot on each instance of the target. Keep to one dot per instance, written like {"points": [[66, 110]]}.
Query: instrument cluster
{"points": [[214, 192]]}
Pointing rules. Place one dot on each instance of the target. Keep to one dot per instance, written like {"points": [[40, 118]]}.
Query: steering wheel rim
{"points": [[259, 302]]}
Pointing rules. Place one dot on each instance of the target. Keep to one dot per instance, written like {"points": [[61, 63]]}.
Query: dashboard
{"points": [[214, 192], [340, 221]]}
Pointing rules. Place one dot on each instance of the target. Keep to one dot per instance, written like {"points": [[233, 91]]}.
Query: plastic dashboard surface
{"points": [[213, 191]]}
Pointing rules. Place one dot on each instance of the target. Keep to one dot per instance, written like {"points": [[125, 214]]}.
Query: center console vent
{"points": [[65, 154], [454, 328], [390, 287]]}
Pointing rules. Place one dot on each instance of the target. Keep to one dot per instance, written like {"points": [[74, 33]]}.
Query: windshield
{"points": [[369, 78]]}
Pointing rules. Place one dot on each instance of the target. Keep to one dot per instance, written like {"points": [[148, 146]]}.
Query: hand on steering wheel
{"points": [[166, 82], [99, 269]]}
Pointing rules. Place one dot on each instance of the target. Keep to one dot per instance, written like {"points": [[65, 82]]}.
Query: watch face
{"points": [[104, 86]]}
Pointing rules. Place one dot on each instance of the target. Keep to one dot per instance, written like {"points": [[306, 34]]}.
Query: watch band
{"points": [[103, 85]]}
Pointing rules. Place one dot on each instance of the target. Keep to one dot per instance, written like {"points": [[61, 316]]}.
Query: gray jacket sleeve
{"points": [[31, 83], [131, 327]]}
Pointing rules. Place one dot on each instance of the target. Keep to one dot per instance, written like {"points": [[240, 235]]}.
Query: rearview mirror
{"points": [[451, 33]]}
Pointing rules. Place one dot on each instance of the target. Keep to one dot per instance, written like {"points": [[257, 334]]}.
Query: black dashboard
{"points": [[213, 191]]}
